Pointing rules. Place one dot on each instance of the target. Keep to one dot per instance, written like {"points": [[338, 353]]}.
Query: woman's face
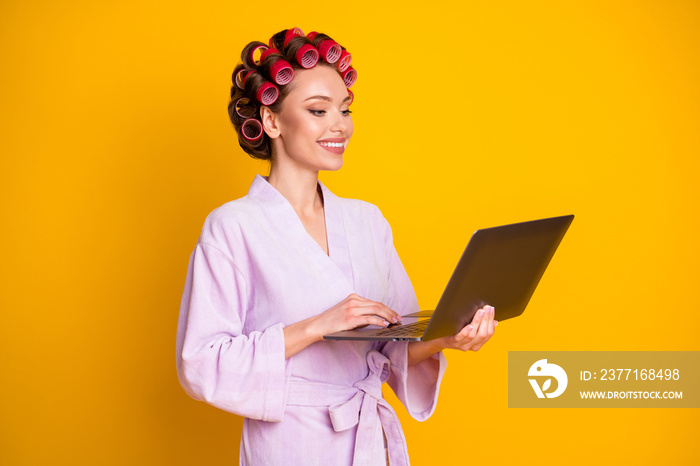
{"points": [[314, 126]]}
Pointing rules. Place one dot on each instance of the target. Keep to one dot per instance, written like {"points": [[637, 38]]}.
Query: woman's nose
{"points": [[339, 123]]}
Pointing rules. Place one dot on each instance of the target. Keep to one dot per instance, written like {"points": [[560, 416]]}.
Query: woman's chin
{"points": [[335, 165]]}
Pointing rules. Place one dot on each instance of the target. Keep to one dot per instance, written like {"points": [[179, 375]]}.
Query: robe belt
{"points": [[363, 406]]}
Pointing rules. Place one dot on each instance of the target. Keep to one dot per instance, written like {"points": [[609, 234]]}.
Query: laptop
{"points": [[501, 267]]}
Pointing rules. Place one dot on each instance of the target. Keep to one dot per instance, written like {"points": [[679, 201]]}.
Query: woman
{"points": [[276, 270]]}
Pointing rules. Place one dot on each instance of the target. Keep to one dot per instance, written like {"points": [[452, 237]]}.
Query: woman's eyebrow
{"points": [[320, 97], [325, 97]]}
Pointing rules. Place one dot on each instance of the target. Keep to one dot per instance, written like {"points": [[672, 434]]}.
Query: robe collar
{"points": [[285, 215]]}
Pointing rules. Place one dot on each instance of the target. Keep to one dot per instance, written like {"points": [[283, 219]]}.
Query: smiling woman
{"points": [[276, 270], [313, 127], [269, 73]]}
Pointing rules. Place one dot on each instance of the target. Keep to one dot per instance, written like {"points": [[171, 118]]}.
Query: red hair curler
{"points": [[252, 130], [267, 93], [267, 53], [349, 76], [259, 50], [281, 72], [330, 50], [244, 108], [312, 35], [344, 61], [307, 56], [352, 97], [291, 34]]}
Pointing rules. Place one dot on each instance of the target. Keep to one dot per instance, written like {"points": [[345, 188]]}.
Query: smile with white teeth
{"points": [[331, 144]]}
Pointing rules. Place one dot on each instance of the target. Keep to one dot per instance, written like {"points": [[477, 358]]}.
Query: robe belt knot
{"points": [[364, 407]]}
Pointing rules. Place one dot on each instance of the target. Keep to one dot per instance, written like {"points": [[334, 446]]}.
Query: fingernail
{"points": [[469, 328], [481, 312], [495, 322]]}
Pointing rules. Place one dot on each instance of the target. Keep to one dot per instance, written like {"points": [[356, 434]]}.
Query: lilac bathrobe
{"points": [[254, 271]]}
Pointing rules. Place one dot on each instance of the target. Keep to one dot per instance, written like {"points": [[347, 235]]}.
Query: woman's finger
{"points": [[355, 306], [485, 330], [487, 323], [476, 322], [366, 307], [463, 334], [365, 320]]}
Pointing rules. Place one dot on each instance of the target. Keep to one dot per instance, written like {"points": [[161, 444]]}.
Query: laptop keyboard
{"points": [[416, 328]]}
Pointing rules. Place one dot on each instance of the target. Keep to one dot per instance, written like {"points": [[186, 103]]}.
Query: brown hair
{"points": [[244, 104]]}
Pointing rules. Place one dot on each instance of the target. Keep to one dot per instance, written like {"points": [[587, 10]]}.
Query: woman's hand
{"points": [[352, 312], [470, 338], [355, 311], [473, 336]]}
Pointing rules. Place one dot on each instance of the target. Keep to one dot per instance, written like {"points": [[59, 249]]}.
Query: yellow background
{"points": [[115, 144]]}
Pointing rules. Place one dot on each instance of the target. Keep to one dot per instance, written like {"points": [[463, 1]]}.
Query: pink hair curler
{"points": [[267, 93], [244, 108], [256, 53], [291, 34], [349, 76], [281, 72], [344, 61], [330, 50], [239, 80], [252, 130], [352, 97], [307, 56]]}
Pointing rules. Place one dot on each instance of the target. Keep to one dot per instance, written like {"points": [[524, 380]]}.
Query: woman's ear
{"points": [[269, 122]]}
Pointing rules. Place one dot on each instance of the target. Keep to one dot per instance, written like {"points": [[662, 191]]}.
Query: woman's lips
{"points": [[333, 145]]}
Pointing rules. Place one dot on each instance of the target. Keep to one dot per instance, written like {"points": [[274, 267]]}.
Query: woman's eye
{"points": [[346, 112], [317, 112]]}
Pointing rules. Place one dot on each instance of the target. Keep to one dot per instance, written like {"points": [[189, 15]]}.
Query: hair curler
{"points": [[291, 34], [252, 130], [344, 61], [267, 93], [239, 79], [349, 76], [267, 52], [352, 97], [244, 108], [307, 56], [256, 53], [312, 35], [330, 50], [281, 72]]}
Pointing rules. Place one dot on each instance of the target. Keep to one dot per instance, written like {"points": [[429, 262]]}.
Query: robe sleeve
{"points": [[416, 386], [216, 363]]}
